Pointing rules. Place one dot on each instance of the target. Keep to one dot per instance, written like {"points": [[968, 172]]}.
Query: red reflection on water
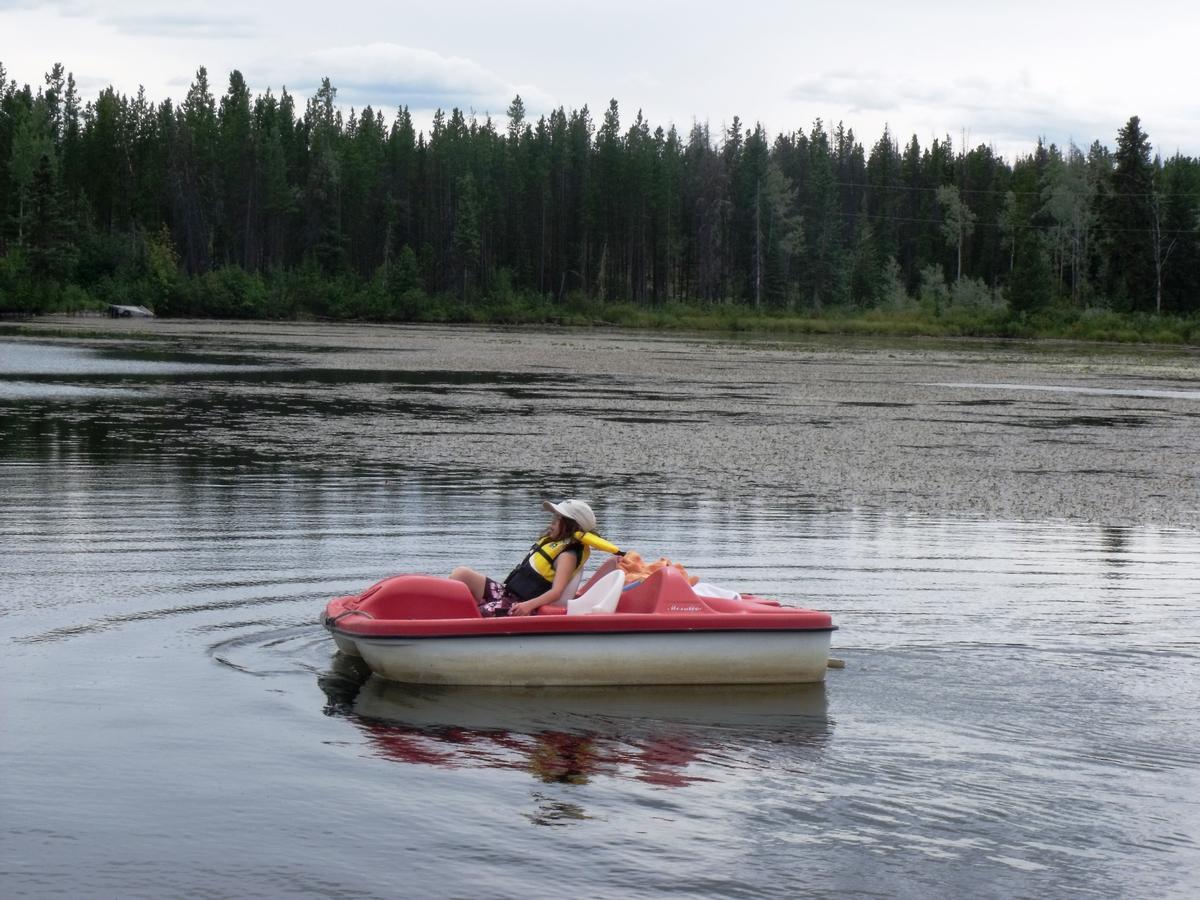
{"points": [[551, 756]]}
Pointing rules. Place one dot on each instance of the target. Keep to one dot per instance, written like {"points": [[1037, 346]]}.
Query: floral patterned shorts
{"points": [[497, 599]]}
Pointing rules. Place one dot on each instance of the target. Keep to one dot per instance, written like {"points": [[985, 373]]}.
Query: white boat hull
{"points": [[345, 644], [692, 657]]}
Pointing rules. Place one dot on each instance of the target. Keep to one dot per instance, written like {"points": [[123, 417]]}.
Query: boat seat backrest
{"points": [[601, 597], [604, 568], [572, 587], [418, 597], [665, 590], [570, 591]]}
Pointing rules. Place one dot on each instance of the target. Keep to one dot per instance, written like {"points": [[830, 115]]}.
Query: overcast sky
{"points": [[1000, 75]]}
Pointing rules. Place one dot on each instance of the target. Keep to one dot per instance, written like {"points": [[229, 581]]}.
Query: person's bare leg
{"points": [[472, 579]]}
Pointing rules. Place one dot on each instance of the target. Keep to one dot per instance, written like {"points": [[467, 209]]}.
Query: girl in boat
{"points": [[543, 575]]}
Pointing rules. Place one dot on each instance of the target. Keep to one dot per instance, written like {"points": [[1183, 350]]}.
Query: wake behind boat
{"points": [[422, 629]]}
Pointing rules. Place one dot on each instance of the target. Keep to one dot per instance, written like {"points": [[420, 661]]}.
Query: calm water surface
{"points": [[1016, 718]]}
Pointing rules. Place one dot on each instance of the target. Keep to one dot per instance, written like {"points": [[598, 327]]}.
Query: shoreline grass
{"points": [[1089, 325]]}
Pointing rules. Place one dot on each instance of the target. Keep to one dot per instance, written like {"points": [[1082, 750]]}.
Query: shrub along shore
{"points": [[969, 310]]}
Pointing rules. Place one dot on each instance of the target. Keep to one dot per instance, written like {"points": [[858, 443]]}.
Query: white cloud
{"points": [[1007, 112], [388, 75], [184, 25], [855, 92]]}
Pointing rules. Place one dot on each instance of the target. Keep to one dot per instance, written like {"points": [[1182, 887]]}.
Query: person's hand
{"points": [[524, 608]]}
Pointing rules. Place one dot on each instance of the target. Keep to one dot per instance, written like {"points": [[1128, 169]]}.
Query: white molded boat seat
{"points": [[602, 596], [605, 567], [704, 589], [572, 587], [569, 591]]}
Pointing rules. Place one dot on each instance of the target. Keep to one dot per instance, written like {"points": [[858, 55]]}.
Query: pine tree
{"points": [[324, 237], [883, 195], [606, 197], [706, 214], [54, 98], [866, 268], [194, 175], [235, 226], [1179, 195], [466, 234], [1029, 287], [914, 244], [1128, 221], [32, 148], [983, 180], [48, 239], [824, 251]]}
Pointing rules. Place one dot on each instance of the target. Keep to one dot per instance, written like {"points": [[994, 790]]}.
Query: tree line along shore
{"points": [[248, 206]]}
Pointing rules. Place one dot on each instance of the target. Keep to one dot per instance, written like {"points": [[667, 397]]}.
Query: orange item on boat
{"points": [[637, 569]]}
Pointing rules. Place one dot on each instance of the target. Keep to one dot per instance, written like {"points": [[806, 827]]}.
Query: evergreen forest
{"points": [[232, 204]]}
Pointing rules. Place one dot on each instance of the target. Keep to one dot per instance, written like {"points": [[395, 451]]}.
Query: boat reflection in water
{"points": [[661, 735]]}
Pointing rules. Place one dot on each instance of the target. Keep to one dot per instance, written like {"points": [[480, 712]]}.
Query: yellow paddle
{"points": [[598, 543]]}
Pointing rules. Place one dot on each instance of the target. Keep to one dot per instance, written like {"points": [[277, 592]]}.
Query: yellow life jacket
{"points": [[534, 575]]}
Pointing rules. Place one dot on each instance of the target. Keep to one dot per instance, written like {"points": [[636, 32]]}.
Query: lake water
{"points": [[1017, 716]]}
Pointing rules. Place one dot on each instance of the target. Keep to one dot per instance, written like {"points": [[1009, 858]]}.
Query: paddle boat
{"points": [[427, 630]]}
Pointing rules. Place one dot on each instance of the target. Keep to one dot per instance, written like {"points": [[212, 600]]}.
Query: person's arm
{"points": [[564, 568]]}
